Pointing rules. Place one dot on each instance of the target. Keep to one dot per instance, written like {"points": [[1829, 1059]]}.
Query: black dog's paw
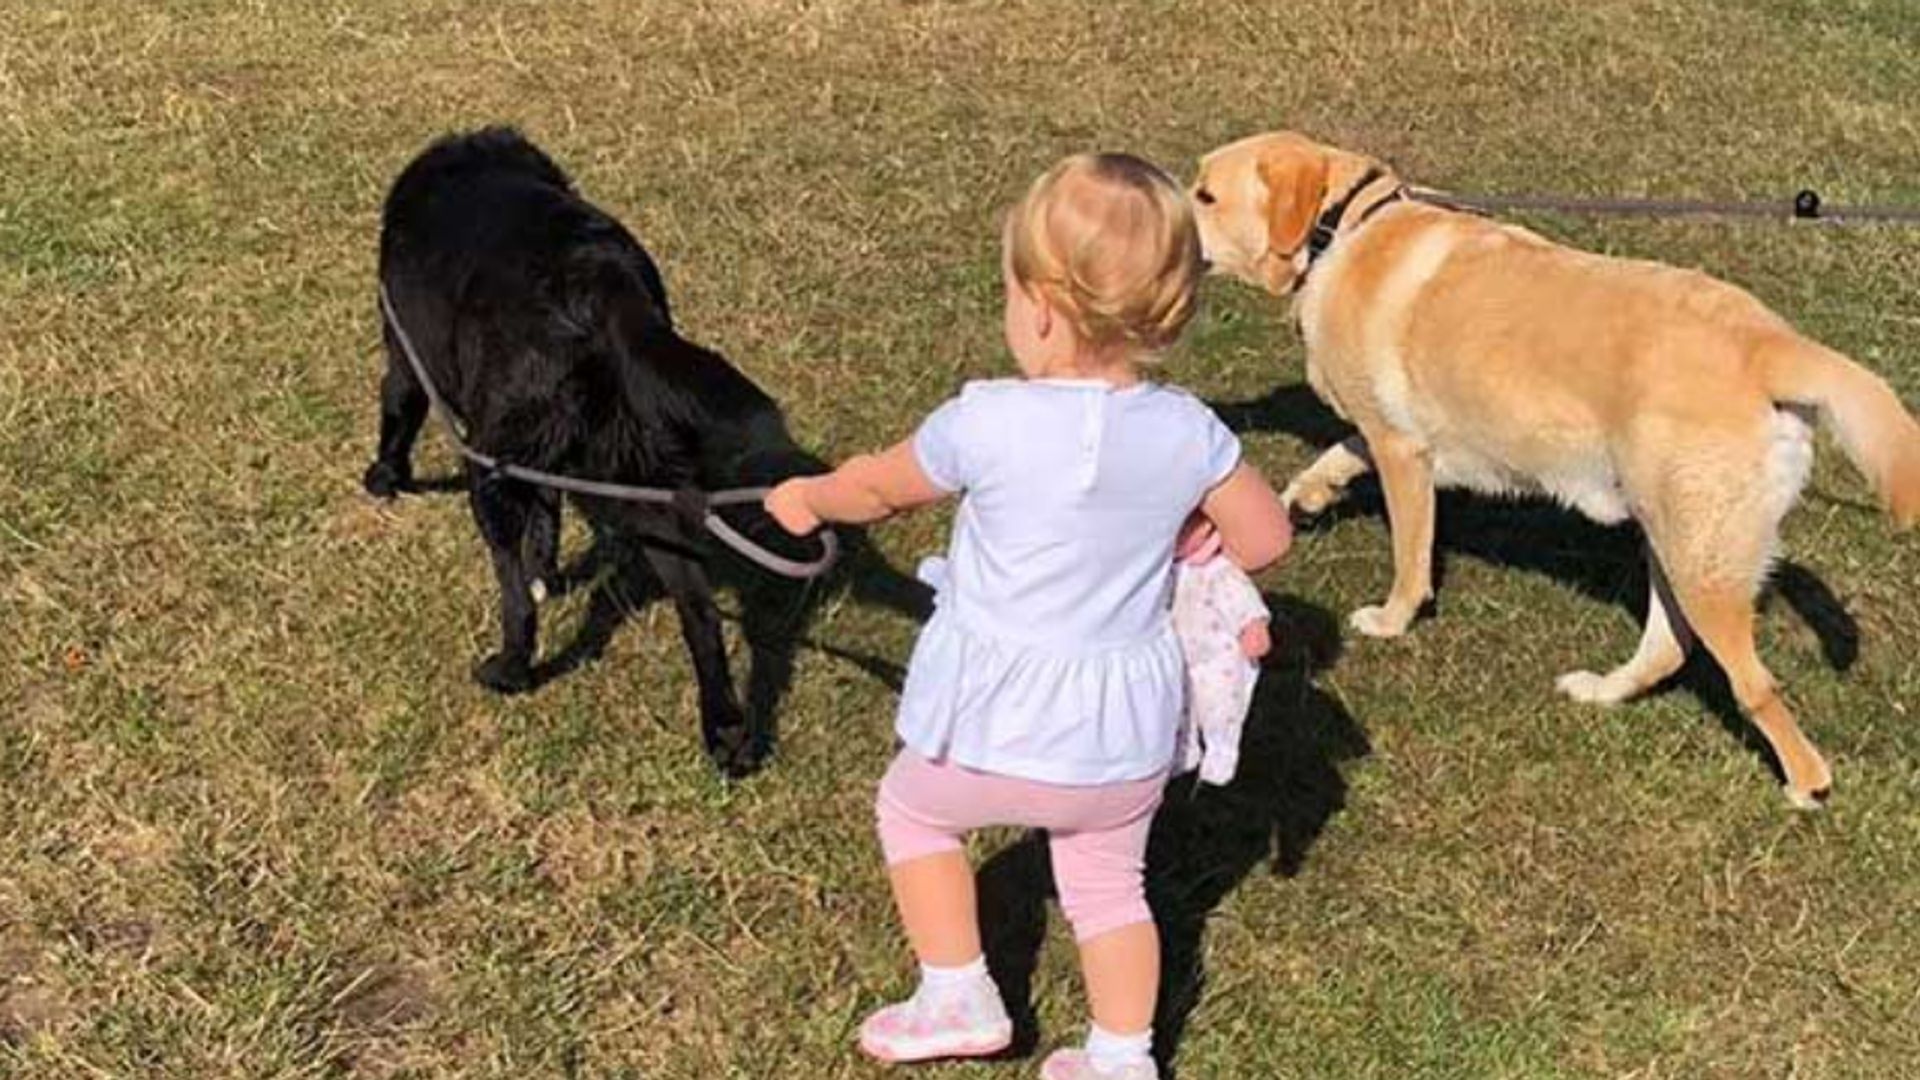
{"points": [[734, 749], [504, 674], [384, 479]]}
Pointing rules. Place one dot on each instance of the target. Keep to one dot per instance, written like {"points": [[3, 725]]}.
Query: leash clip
{"points": [[1806, 205]]}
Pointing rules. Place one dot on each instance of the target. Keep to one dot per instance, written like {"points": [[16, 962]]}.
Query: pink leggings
{"points": [[1098, 832]]}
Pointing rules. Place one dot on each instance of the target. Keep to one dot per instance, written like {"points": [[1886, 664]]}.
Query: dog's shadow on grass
{"points": [[1605, 563], [1206, 840], [773, 613], [776, 611]]}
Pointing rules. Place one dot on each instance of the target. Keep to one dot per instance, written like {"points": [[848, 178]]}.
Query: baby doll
{"points": [[1221, 621]]}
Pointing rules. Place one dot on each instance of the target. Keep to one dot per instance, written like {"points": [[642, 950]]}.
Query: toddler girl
{"points": [[1046, 691]]}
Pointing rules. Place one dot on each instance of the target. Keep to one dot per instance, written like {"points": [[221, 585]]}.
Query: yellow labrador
{"points": [[1471, 353]]}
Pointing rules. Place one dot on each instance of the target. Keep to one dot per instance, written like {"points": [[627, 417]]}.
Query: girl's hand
{"points": [[1255, 640], [864, 489], [788, 505], [1198, 540]]}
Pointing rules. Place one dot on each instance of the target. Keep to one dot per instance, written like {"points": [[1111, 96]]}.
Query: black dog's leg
{"points": [[403, 408], [543, 544], [504, 509], [729, 738]]}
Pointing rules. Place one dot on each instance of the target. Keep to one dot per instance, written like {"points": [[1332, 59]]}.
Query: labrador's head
{"points": [[1256, 201]]}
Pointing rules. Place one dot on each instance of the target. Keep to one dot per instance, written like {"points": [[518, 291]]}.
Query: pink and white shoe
{"points": [[1074, 1064], [953, 1022]]}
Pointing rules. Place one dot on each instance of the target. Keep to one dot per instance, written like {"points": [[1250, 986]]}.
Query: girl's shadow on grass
{"points": [[1605, 563], [1206, 840]]}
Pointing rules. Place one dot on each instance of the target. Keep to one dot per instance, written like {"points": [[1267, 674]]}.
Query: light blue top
{"points": [[1051, 653]]}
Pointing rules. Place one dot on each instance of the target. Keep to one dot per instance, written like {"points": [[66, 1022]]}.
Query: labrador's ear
{"points": [[1296, 179]]}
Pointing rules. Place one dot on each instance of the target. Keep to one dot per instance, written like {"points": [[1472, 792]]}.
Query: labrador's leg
{"points": [[1663, 649], [1714, 527], [1723, 616], [1406, 475], [1324, 483]]}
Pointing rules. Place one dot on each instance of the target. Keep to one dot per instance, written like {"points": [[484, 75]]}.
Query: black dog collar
{"points": [[1328, 224]]}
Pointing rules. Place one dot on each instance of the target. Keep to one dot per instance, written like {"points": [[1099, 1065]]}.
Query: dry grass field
{"points": [[257, 821]]}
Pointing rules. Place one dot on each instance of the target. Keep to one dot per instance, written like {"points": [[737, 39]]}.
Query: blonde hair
{"points": [[1109, 241]]}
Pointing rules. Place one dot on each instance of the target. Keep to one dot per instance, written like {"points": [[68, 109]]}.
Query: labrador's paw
{"points": [[1379, 621]]}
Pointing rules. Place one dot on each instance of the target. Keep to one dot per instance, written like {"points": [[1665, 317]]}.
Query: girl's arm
{"points": [[1253, 524], [866, 488]]}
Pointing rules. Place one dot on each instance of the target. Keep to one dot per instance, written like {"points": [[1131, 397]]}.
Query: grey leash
{"points": [[697, 504], [1805, 206]]}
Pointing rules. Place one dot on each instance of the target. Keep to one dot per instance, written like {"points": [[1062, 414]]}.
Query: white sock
{"points": [[941, 980], [1110, 1053]]}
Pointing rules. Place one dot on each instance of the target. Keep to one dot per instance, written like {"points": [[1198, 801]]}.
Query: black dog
{"points": [[545, 326]]}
